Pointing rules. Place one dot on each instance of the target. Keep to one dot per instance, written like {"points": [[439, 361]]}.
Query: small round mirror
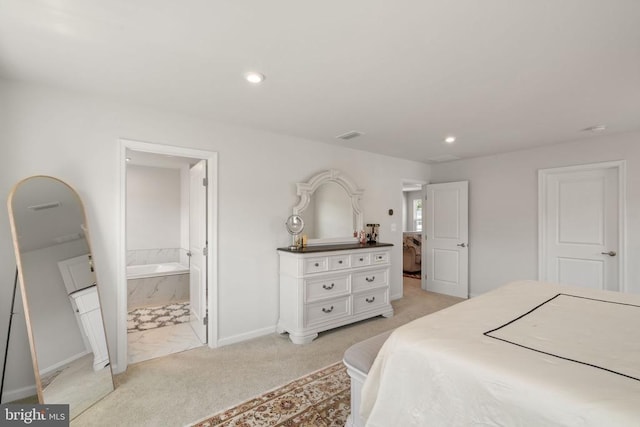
{"points": [[295, 225]]}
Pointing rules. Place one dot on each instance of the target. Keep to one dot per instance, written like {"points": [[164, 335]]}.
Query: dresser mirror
{"points": [[60, 294], [330, 207]]}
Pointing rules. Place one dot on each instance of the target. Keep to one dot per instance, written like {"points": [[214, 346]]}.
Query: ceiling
{"points": [[500, 75]]}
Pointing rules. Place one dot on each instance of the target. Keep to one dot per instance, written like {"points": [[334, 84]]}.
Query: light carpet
{"points": [[320, 399]]}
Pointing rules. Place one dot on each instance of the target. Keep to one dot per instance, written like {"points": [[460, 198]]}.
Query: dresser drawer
{"points": [[369, 300], [327, 287], [369, 279], [380, 257], [320, 312], [360, 260], [316, 265], [339, 262]]}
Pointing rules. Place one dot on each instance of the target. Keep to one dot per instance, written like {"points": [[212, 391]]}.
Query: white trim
{"points": [[247, 336], [212, 237], [543, 174], [19, 393], [62, 363]]}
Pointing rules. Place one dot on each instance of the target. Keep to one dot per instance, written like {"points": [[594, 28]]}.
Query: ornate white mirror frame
{"points": [[306, 189]]}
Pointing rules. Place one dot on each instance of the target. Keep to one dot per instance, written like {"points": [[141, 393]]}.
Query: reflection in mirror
{"points": [[329, 214], [330, 206], [60, 294]]}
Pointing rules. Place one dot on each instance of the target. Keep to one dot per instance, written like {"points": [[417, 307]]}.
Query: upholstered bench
{"points": [[358, 359]]}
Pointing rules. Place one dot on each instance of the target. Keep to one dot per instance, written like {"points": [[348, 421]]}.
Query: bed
{"points": [[528, 353]]}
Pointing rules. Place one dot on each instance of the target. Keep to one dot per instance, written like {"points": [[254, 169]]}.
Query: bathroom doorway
{"points": [[167, 216]]}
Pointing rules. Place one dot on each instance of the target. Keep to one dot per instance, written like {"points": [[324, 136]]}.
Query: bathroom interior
{"points": [[158, 259]]}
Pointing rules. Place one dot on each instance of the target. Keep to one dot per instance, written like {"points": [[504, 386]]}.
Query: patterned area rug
{"points": [[142, 319], [319, 399], [412, 275]]}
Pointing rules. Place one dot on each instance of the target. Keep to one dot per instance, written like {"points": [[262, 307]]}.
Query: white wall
{"points": [[76, 139], [503, 203], [153, 207]]}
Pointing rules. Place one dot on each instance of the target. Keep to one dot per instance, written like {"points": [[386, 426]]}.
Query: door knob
{"points": [[462, 245], [610, 253]]}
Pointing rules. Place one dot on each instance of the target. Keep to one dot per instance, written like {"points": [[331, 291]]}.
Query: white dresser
{"points": [[323, 287]]}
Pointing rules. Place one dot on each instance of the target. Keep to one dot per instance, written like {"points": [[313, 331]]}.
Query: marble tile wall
{"points": [[157, 256], [152, 291]]}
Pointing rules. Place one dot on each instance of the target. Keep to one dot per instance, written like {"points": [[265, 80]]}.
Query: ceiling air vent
{"points": [[443, 158], [44, 206], [350, 135]]}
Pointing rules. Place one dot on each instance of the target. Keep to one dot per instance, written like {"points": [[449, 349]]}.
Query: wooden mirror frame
{"points": [[25, 297]]}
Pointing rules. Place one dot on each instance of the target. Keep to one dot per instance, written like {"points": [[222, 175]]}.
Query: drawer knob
{"points": [[327, 310], [361, 259], [370, 280], [340, 262], [328, 287], [316, 264], [379, 256], [370, 300]]}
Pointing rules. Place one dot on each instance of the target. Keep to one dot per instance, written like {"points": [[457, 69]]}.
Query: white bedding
{"points": [[528, 370]]}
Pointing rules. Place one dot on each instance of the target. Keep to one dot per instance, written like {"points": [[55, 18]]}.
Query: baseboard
{"points": [[65, 362], [20, 393], [246, 336]]}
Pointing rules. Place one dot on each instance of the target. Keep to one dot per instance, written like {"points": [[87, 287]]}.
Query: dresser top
{"points": [[336, 247]]}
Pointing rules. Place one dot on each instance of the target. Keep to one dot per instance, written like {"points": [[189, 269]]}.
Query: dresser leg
{"points": [[388, 313], [302, 339]]}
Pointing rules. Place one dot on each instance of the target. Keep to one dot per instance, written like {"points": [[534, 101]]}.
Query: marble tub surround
{"points": [[156, 291], [157, 256]]}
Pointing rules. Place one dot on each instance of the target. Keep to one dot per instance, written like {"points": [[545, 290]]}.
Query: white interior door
{"points": [[198, 249], [77, 273], [580, 227], [446, 239]]}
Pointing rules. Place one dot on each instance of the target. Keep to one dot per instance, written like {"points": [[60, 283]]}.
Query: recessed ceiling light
{"points": [[253, 77], [596, 128], [450, 139], [128, 159]]}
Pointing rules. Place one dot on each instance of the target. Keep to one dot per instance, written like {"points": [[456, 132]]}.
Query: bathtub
{"points": [[155, 270]]}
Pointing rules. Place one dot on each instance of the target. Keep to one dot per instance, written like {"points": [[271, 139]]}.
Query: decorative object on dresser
{"points": [[330, 207], [294, 225], [336, 279]]}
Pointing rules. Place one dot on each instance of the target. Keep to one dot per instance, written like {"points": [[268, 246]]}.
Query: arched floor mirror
{"points": [[60, 294]]}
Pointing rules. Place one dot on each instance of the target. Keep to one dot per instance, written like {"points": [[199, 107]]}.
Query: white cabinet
{"points": [[87, 304], [325, 287]]}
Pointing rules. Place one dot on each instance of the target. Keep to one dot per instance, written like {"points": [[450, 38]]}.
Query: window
{"points": [[417, 215]]}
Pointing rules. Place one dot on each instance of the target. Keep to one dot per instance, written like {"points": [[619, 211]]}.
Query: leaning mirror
{"points": [[330, 206], [59, 293]]}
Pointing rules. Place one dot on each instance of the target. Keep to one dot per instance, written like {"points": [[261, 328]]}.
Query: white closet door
{"points": [[580, 226]]}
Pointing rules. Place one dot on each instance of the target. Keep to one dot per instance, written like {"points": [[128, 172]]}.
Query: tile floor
{"points": [[145, 345]]}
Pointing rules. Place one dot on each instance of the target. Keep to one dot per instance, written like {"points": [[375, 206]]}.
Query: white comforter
{"points": [[570, 362]]}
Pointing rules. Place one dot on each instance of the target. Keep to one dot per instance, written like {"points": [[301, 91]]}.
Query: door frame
{"points": [[544, 174], [212, 236]]}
